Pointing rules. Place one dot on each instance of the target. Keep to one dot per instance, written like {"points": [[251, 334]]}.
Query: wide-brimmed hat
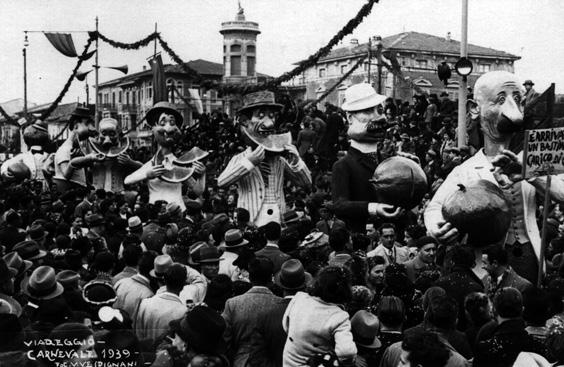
{"points": [[315, 239], [29, 250], [15, 261], [99, 293], [234, 239], [202, 328], [134, 224], [42, 284], [365, 327], [9, 305], [257, 99], [6, 272], [194, 253], [208, 254], [528, 82], [69, 279], [36, 232], [160, 107], [360, 97], [292, 276], [161, 265]]}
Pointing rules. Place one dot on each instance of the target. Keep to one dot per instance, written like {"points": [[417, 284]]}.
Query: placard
{"points": [[544, 152]]}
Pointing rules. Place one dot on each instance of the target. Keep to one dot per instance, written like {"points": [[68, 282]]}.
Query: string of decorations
{"points": [[8, 118], [45, 115], [126, 46], [395, 69], [345, 76]]}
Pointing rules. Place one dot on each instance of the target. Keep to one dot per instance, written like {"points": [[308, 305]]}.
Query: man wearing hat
{"points": [[42, 284], [166, 122], [7, 275], [67, 176], [234, 243], [35, 159], [97, 227], [260, 170], [425, 258], [107, 158], [272, 232], [530, 95], [351, 187]]}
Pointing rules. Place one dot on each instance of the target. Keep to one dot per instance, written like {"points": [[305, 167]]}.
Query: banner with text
{"points": [[544, 152]]}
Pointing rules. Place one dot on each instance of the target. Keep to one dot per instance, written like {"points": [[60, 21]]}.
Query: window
{"points": [[132, 97], [113, 98], [235, 48], [421, 64], [140, 95], [251, 48], [127, 97], [235, 65], [251, 66], [120, 94], [344, 69], [322, 73], [484, 68], [180, 87]]}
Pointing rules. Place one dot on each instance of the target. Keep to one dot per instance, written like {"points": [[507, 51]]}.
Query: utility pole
{"points": [[369, 57], [26, 43], [96, 67], [463, 85], [155, 46]]}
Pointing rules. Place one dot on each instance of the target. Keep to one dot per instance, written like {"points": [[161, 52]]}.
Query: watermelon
{"points": [[114, 151], [193, 155], [273, 142], [176, 172]]}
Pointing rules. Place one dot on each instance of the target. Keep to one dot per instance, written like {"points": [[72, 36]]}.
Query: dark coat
{"points": [[275, 255], [514, 280], [499, 345], [351, 189]]}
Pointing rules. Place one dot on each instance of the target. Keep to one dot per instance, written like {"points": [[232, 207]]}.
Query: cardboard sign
{"points": [[544, 152]]}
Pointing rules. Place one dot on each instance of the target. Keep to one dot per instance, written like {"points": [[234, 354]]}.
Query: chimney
{"points": [[448, 36], [354, 42]]}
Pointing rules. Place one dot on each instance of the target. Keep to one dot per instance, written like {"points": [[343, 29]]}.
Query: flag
{"points": [[159, 82], [63, 43]]}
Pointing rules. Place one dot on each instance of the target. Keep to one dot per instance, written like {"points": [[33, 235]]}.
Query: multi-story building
{"points": [[418, 54]]}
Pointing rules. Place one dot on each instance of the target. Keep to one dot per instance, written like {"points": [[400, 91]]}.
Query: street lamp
{"points": [[463, 67], [24, 51]]}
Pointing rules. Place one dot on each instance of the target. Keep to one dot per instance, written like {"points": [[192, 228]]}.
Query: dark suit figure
{"points": [[272, 252]]}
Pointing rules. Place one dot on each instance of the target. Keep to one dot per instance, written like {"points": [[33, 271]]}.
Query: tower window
{"points": [[251, 48], [250, 66], [235, 65], [235, 48]]}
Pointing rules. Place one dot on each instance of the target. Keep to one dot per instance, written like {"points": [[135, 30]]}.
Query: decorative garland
{"points": [[347, 74], [56, 102], [395, 69], [126, 46]]}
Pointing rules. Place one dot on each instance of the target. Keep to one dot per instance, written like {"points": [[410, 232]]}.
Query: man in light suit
{"points": [[259, 171], [498, 106], [242, 313], [156, 312]]}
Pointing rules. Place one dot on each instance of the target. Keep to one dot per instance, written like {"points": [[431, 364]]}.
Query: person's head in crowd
{"points": [[555, 340], [397, 283], [12, 335], [412, 233], [81, 351], [423, 349], [391, 313], [135, 226], [333, 284], [261, 271], [289, 240], [508, 304], [387, 233], [175, 278], [375, 274], [220, 289], [208, 258], [100, 194], [131, 254], [442, 313], [427, 249], [462, 256], [272, 232], [7, 276], [292, 277], [13, 218], [242, 217], [372, 232], [96, 223], [339, 239], [104, 262], [497, 261], [536, 306], [478, 308], [360, 242], [146, 263], [241, 287], [361, 299]]}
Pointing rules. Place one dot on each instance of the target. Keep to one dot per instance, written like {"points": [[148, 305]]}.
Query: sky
{"points": [[291, 30]]}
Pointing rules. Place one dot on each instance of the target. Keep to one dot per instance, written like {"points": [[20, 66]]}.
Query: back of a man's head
{"points": [[146, 262], [338, 239], [261, 270], [425, 349], [462, 256], [508, 303], [442, 312], [499, 254], [175, 277], [272, 231], [132, 254]]}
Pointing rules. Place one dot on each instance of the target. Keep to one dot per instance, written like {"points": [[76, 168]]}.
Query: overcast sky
{"points": [[291, 30]]}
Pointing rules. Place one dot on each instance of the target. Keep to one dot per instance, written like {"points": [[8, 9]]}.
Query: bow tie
{"points": [[36, 151]]}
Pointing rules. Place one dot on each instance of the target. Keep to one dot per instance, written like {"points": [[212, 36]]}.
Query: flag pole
{"points": [[96, 67], [155, 47], [25, 74]]}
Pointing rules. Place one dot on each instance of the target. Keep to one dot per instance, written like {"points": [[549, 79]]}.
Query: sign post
{"points": [[543, 156]]}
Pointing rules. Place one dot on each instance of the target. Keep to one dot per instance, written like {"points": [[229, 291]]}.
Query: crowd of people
{"points": [[133, 281]]}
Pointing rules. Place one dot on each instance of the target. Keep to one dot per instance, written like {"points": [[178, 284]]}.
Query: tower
{"points": [[239, 49]]}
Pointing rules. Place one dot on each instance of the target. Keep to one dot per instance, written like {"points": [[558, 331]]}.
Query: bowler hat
{"points": [[162, 107], [202, 328], [15, 261], [99, 293], [259, 99], [208, 254], [42, 284], [161, 265], [69, 279], [365, 327], [292, 276], [94, 220], [528, 82], [234, 239], [36, 232], [360, 97], [29, 250]]}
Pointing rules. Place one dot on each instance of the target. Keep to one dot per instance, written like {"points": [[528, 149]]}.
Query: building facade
{"points": [[418, 54]]}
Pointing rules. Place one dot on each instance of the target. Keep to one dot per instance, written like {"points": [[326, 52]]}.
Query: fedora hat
{"points": [[161, 265], [82, 112], [202, 328], [6, 272], [257, 99], [42, 284], [29, 250], [528, 82], [234, 239], [208, 254], [69, 279], [360, 97], [9, 305], [292, 276], [15, 261], [161, 107], [36, 232], [290, 217], [94, 220], [365, 327], [134, 224], [99, 293], [194, 252]]}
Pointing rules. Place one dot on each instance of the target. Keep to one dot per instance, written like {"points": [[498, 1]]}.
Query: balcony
{"points": [[128, 108]]}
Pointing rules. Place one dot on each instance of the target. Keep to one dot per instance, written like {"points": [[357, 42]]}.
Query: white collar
{"points": [[364, 147]]}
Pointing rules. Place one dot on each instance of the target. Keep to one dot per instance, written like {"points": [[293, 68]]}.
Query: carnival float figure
{"points": [[270, 157], [33, 164], [498, 107], [166, 173], [105, 155]]}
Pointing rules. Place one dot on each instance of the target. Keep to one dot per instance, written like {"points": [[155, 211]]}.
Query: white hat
{"points": [[360, 97]]}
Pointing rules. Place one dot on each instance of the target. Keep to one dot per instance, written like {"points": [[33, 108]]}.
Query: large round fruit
{"points": [[19, 171], [399, 181], [479, 209], [273, 142]]}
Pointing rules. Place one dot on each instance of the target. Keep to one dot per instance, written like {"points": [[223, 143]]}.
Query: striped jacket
{"points": [[251, 184]]}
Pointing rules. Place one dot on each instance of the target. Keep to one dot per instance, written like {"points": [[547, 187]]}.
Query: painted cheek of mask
{"points": [[367, 130]]}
